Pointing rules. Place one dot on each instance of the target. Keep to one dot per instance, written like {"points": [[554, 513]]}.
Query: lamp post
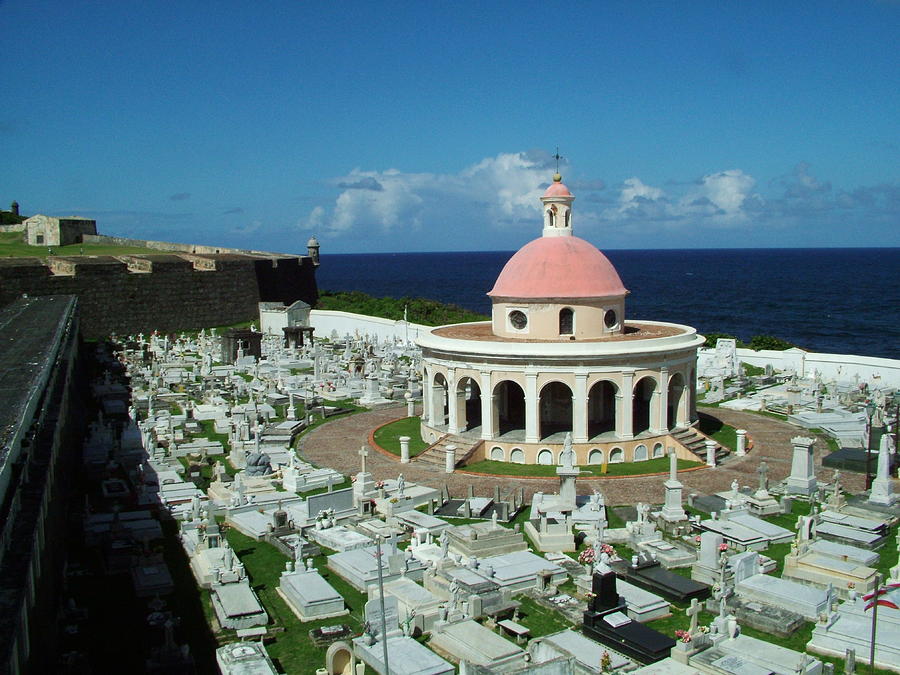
{"points": [[870, 409]]}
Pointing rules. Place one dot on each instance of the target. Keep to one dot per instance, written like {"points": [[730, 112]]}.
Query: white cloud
{"points": [[496, 190]]}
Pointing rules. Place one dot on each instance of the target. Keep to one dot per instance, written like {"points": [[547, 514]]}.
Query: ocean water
{"points": [[844, 301]]}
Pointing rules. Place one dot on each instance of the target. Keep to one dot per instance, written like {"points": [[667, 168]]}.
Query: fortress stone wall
{"points": [[167, 292]]}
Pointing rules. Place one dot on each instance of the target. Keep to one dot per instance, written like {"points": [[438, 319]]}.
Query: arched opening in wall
{"points": [[509, 404], [497, 454], [468, 404], [440, 404], [339, 659], [555, 409], [640, 453], [675, 416], [517, 456], [616, 456], [658, 451], [595, 456], [641, 401], [545, 457], [566, 321], [602, 408]]}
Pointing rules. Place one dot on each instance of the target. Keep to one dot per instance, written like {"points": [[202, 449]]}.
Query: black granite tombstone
{"points": [[651, 576], [605, 621]]}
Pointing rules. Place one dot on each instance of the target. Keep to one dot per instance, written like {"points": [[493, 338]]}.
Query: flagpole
{"points": [[874, 616], [384, 647]]}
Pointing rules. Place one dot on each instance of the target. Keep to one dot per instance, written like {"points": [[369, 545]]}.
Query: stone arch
{"points": [[602, 408], [616, 456], [468, 404], [643, 416], [676, 410], [595, 456], [497, 454], [339, 659], [516, 456], [566, 321], [555, 409], [658, 451], [439, 404], [640, 453], [508, 407], [545, 457]]}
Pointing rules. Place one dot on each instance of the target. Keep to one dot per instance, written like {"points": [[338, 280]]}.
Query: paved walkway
{"points": [[337, 443]]}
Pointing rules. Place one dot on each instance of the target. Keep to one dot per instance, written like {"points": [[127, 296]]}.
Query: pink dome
{"points": [[557, 189], [558, 267]]}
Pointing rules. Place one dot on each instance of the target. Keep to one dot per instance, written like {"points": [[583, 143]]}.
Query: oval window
{"points": [[518, 319], [610, 319]]}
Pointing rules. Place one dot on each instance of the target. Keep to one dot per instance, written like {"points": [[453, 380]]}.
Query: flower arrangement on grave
{"points": [[605, 662], [379, 484], [683, 636], [353, 478], [590, 595], [723, 547], [393, 500], [608, 550], [697, 540], [586, 557]]}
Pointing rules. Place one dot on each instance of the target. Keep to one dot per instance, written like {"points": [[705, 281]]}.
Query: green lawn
{"points": [[13, 246], [659, 465], [540, 620], [723, 434], [288, 640], [388, 436]]}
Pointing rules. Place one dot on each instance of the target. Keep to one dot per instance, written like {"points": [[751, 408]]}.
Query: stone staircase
{"points": [[435, 456], [695, 441]]}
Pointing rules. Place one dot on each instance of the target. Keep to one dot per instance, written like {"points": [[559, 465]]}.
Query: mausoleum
{"points": [[559, 356]]}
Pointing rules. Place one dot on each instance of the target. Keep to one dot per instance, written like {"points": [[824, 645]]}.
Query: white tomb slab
{"points": [[667, 666], [846, 533], [417, 520], [744, 655], [471, 642], [309, 596], [807, 601], [850, 627], [740, 536], [773, 533], [856, 522], [844, 552], [641, 605], [586, 652], [339, 538], [518, 570], [244, 658]]}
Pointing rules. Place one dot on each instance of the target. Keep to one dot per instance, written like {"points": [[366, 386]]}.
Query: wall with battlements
{"points": [[167, 292]]}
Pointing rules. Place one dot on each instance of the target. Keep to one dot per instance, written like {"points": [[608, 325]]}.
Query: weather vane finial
{"points": [[557, 157]]}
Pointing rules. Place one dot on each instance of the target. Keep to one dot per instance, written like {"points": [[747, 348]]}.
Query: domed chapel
{"points": [[559, 357]]}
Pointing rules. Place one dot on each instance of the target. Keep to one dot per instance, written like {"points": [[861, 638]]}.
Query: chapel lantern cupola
{"points": [[557, 202]]}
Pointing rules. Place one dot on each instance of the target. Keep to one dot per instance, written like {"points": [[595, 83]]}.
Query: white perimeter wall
{"points": [[325, 321], [842, 367]]}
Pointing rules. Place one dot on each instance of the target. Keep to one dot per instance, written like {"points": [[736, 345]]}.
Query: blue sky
{"points": [[419, 126]]}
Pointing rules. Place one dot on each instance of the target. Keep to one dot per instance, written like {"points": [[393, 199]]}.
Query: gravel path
{"points": [[336, 444]]}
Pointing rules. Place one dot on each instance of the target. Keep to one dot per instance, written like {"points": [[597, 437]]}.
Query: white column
{"points": [[580, 410], [741, 448], [627, 406], [426, 396], [710, 452], [487, 407], [404, 449], [531, 409], [656, 424], [452, 401], [450, 459], [663, 425]]}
